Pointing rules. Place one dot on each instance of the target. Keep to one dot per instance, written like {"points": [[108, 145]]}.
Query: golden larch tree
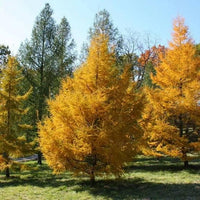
{"points": [[13, 143], [93, 125], [172, 115]]}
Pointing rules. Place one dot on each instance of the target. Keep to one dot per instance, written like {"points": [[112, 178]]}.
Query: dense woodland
{"points": [[92, 113]]}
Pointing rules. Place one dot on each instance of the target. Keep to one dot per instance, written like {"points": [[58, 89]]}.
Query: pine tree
{"points": [[64, 53], [64, 48], [173, 112], [103, 25], [93, 127], [46, 57], [12, 140], [4, 54]]}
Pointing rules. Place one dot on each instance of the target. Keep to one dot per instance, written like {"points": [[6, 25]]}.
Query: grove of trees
{"points": [[120, 101]]}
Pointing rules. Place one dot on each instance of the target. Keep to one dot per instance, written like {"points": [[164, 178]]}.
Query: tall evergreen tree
{"points": [[4, 54], [103, 25], [64, 51], [46, 57]]}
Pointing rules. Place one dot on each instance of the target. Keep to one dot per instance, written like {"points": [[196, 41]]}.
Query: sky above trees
{"points": [[144, 16]]}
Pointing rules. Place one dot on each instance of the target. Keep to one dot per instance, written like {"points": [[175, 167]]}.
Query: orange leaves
{"points": [[93, 124], [152, 55], [172, 110]]}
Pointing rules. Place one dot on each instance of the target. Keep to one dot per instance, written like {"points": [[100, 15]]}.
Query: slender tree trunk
{"points": [[7, 172], [6, 157], [92, 170], [181, 125], [40, 158], [92, 177], [181, 135], [186, 164], [41, 93]]}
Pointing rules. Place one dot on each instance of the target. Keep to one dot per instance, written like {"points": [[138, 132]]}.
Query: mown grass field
{"points": [[145, 178]]}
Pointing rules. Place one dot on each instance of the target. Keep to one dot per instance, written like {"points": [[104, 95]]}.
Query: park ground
{"points": [[144, 179]]}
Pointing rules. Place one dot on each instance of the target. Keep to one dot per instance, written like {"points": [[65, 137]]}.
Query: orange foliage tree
{"points": [[172, 115], [93, 125], [148, 61]]}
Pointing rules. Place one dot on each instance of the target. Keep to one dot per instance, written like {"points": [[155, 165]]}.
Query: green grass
{"points": [[145, 178]]}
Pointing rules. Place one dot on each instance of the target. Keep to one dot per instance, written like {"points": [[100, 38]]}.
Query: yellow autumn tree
{"points": [[172, 116], [93, 125], [13, 143]]}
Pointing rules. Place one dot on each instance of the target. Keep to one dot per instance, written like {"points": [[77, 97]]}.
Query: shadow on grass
{"points": [[40, 177], [172, 165], [132, 188], [139, 189], [192, 169], [129, 188]]}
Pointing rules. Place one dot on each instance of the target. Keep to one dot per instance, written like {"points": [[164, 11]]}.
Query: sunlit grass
{"points": [[145, 178]]}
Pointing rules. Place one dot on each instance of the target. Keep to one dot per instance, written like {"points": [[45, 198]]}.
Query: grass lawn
{"points": [[146, 179]]}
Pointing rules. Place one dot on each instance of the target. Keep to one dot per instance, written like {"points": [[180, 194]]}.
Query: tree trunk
{"points": [[7, 172], [40, 158], [92, 178], [41, 93], [6, 157], [181, 125], [186, 164]]}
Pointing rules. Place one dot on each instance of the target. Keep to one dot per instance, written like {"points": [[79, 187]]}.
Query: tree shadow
{"points": [[172, 165], [39, 182], [41, 177], [140, 189], [127, 188], [193, 169]]}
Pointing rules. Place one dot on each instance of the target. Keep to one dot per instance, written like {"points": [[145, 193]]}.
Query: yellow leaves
{"points": [[3, 164], [14, 165], [25, 126], [171, 113], [94, 117], [12, 143], [99, 67], [180, 34]]}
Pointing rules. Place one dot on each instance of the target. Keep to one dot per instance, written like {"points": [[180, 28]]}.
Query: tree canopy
{"points": [[13, 142], [93, 125], [173, 109]]}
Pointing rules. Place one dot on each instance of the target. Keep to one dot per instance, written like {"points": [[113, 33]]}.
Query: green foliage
{"points": [[4, 53], [37, 58], [103, 25], [149, 71], [64, 53], [46, 58]]}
